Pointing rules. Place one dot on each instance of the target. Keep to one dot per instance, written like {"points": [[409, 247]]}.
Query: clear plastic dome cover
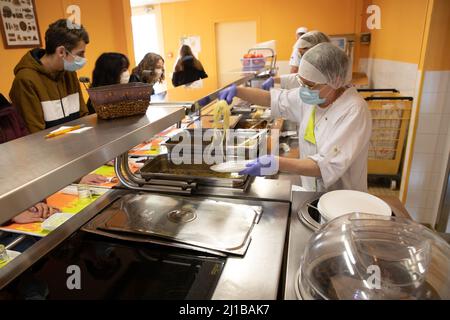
{"points": [[367, 257]]}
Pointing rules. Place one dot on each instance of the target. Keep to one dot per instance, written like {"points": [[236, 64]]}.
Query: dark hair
{"points": [[187, 58], [148, 63], [59, 34], [108, 68]]}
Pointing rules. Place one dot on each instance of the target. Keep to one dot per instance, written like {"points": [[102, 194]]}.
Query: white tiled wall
{"points": [[432, 144], [431, 148], [391, 74]]}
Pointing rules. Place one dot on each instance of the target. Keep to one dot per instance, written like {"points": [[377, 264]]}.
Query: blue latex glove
{"points": [[228, 94], [269, 83], [263, 166], [204, 102]]}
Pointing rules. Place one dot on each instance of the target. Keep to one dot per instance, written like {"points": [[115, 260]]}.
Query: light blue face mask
{"points": [[77, 64], [311, 97]]}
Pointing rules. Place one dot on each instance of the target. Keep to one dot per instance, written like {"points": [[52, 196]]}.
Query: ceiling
{"points": [[140, 3]]}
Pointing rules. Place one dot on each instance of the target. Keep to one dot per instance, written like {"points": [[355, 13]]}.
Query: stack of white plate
{"points": [[338, 203]]}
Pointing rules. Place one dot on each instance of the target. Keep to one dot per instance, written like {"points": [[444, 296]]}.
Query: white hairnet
{"points": [[311, 39], [302, 30], [326, 64]]}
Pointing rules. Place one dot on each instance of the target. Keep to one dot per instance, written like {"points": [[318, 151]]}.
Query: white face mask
{"points": [[158, 72], [125, 77]]}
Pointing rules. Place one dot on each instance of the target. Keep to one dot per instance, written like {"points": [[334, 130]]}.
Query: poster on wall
{"points": [[19, 24], [194, 43]]}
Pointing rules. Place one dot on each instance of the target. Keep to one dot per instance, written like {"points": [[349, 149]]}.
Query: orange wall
{"points": [[276, 20], [104, 20], [402, 30], [438, 51]]}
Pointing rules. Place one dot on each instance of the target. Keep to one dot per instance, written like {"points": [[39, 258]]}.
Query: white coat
{"points": [[342, 133], [289, 81], [295, 59]]}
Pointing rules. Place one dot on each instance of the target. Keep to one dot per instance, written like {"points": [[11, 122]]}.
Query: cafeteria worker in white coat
{"points": [[334, 123], [304, 43]]}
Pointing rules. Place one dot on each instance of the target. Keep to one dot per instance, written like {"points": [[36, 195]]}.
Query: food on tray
{"points": [[221, 110]]}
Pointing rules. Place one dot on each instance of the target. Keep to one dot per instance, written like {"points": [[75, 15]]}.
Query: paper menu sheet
{"points": [[71, 132], [65, 202], [154, 147], [110, 173]]}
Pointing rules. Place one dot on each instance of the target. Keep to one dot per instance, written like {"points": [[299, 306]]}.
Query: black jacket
{"points": [[188, 75]]}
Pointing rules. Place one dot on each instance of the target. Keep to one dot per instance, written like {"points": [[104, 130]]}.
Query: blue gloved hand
{"points": [[228, 94], [204, 102], [269, 83], [263, 166]]}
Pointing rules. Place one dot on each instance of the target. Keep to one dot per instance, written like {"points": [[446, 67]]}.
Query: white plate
{"points": [[56, 220], [231, 166], [338, 203], [12, 254]]}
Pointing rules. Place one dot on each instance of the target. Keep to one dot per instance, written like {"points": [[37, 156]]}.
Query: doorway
{"points": [[147, 31], [230, 48]]}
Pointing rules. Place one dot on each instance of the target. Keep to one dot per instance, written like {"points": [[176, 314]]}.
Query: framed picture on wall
{"points": [[19, 24]]}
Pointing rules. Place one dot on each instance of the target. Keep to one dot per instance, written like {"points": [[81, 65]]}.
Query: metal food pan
{"points": [[207, 122], [252, 141], [162, 168], [252, 124]]}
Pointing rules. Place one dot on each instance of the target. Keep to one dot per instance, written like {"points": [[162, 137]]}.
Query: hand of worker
{"points": [[38, 213], [269, 83], [263, 166], [204, 102], [228, 94], [93, 179]]}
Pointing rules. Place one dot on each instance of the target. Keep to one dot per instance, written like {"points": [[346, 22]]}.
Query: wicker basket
{"points": [[121, 109], [123, 100]]}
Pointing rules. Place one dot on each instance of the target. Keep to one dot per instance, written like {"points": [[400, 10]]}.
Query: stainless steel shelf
{"points": [[201, 90], [33, 168]]}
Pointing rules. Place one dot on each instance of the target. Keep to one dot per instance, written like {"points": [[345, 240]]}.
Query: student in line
{"points": [[188, 68]]}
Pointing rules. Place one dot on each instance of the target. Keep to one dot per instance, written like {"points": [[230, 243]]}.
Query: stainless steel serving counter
{"points": [[255, 276], [34, 167], [299, 235], [258, 274], [200, 90], [263, 189]]}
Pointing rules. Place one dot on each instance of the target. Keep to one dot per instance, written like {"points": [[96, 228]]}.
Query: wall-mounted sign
{"points": [[19, 24], [193, 42]]}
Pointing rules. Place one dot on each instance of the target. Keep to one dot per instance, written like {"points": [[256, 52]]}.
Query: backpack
{"points": [[12, 125]]}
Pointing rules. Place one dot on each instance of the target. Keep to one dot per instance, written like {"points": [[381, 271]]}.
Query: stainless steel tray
{"points": [[253, 124], [164, 169], [203, 223], [245, 142], [207, 122]]}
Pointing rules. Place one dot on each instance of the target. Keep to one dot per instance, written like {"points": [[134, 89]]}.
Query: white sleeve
{"points": [[350, 137], [288, 81], [295, 59], [286, 104]]}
